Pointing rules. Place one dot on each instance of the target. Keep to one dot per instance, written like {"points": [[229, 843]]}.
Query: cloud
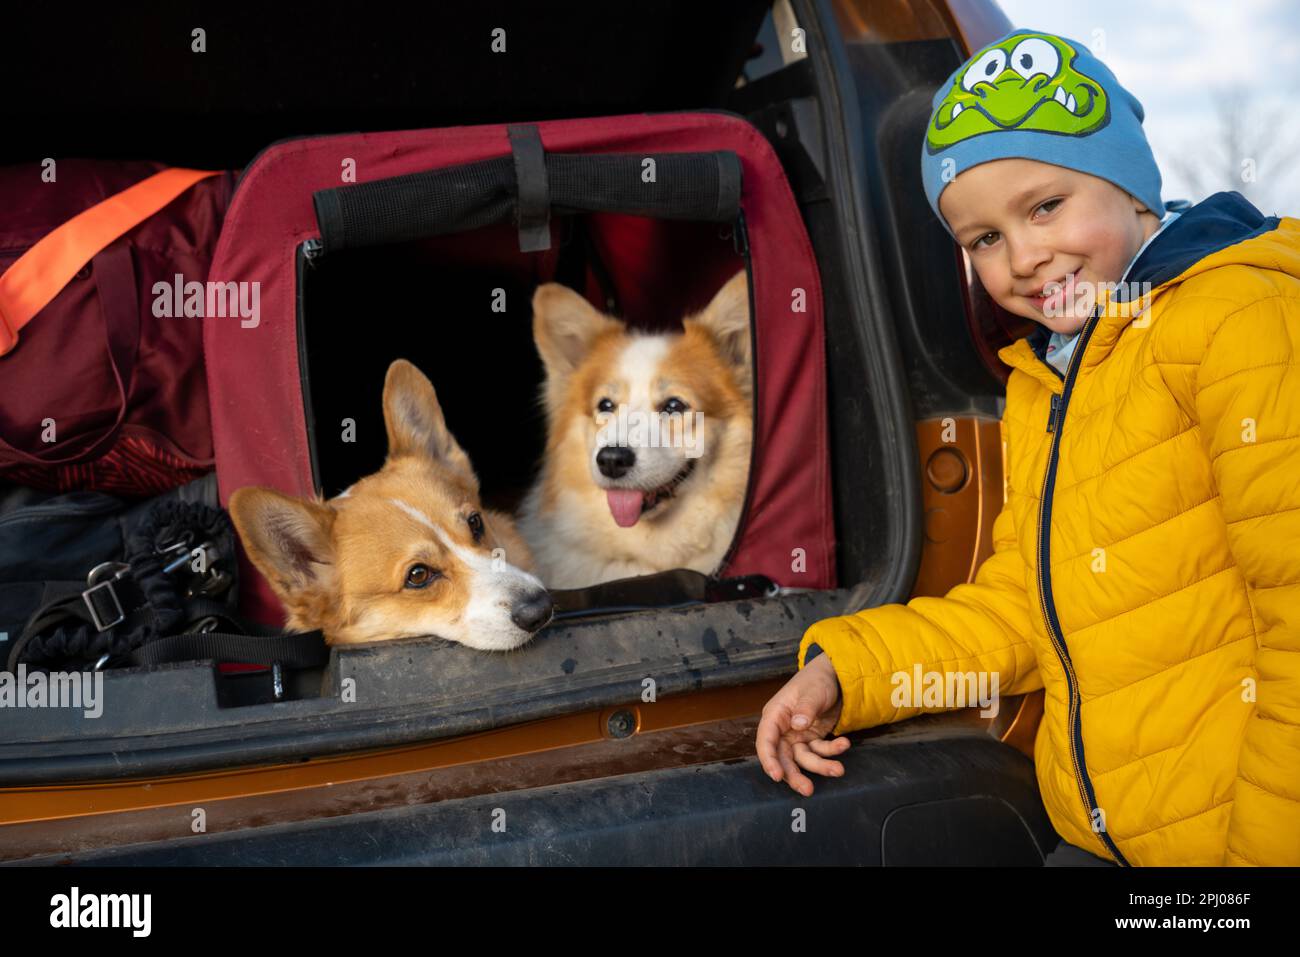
{"points": [[1177, 56]]}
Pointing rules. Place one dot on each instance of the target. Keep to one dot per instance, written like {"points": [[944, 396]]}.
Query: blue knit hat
{"points": [[1035, 95]]}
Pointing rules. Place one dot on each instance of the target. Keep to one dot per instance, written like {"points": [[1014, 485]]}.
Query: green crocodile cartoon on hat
{"points": [[1026, 82]]}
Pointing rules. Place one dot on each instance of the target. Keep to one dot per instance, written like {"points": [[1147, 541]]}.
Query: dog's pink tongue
{"points": [[625, 505]]}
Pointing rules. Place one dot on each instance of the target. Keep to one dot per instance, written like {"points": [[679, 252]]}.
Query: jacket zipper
{"points": [[1055, 426]]}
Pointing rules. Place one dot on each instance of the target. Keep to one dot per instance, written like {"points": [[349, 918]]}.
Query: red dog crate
{"points": [[371, 247]]}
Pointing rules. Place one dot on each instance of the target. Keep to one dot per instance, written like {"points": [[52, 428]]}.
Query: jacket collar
{"points": [[1221, 221], [1026, 355]]}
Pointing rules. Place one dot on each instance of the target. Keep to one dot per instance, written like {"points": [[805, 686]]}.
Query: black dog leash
{"points": [[171, 600]]}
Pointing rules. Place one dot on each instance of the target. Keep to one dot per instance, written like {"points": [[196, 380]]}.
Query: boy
{"points": [[1146, 565]]}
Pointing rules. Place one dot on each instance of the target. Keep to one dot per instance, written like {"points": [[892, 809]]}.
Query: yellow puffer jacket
{"points": [[1164, 497]]}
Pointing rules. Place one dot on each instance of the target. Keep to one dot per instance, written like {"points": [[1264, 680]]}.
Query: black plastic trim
{"points": [[170, 720], [943, 799], [862, 273]]}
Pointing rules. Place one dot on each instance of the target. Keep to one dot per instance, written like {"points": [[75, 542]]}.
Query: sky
{"points": [[1185, 60]]}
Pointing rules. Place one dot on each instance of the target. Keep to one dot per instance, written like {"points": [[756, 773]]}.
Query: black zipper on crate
{"points": [[1056, 426], [301, 260], [740, 242]]}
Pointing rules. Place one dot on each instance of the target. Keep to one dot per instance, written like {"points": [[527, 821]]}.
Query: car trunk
{"points": [[189, 717]]}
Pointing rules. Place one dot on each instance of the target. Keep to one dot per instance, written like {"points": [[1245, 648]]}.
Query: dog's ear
{"points": [[564, 327], [726, 319], [288, 539], [414, 419]]}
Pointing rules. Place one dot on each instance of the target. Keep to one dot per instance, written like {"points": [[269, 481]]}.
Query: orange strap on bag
{"points": [[40, 274]]}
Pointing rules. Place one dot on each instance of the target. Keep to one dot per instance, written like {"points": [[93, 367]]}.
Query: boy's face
{"points": [[1026, 224]]}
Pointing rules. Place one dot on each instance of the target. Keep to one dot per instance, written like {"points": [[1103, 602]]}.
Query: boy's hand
{"points": [[794, 723]]}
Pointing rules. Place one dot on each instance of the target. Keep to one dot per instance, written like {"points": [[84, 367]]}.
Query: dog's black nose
{"points": [[614, 460], [533, 611]]}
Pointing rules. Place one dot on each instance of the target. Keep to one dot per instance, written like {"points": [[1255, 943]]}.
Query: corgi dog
{"points": [[405, 552], [648, 439]]}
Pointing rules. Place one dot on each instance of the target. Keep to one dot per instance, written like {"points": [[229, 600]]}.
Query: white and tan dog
{"points": [[648, 443], [405, 552]]}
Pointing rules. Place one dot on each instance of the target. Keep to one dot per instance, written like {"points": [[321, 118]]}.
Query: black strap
{"points": [[729, 187], [679, 586], [533, 200], [303, 650], [63, 630], [65, 626]]}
